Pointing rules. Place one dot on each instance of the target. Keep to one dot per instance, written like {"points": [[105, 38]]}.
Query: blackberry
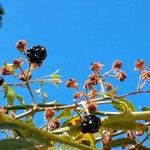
{"points": [[36, 54], [90, 124], [1, 81]]}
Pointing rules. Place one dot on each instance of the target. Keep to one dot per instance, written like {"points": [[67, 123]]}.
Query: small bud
{"points": [[96, 66], [145, 75], [49, 113], [120, 75], [139, 65], [71, 83], [77, 95], [21, 45], [17, 63], [108, 86], [116, 65]]}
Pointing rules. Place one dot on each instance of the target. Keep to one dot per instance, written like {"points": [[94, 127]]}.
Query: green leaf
{"points": [[19, 98], [10, 96], [86, 139], [145, 109], [118, 105], [55, 75], [123, 122], [111, 93], [65, 113], [5, 89], [59, 146], [120, 142], [40, 136], [18, 144]]}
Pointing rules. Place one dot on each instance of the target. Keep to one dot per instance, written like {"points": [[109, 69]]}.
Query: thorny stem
{"points": [[107, 73], [28, 87], [101, 100], [33, 81]]}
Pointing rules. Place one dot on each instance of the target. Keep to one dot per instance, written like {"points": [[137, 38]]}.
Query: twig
{"points": [[28, 87]]}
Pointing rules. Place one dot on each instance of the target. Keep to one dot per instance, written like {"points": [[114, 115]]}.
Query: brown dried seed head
{"points": [[77, 95], [139, 65], [108, 86], [71, 83], [49, 113], [92, 94], [145, 75], [88, 84], [116, 65], [21, 45], [121, 75], [7, 70], [96, 66], [95, 79], [17, 62], [53, 124], [91, 106]]}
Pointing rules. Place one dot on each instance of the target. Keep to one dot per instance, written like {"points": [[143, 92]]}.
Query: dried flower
{"points": [[71, 83], [88, 84], [139, 65], [25, 75], [77, 95], [96, 66], [49, 113], [108, 86], [7, 69], [91, 107], [53, 124], [17, 63], [106, 138], [95, 79], [116, 65], [145, 75], [21, 45], [120, 75], [92, 94]]}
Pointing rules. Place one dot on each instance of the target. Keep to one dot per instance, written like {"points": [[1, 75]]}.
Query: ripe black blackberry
{"points": [[1, 81], [36, 54], [90, 124]]}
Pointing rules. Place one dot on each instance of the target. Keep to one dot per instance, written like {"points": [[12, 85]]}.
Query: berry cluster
{"points": [[1, 81], [36, 54], [90, 124]]}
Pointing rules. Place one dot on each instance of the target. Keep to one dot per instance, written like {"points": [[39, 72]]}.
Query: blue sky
{"points": [[78, 32]]}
